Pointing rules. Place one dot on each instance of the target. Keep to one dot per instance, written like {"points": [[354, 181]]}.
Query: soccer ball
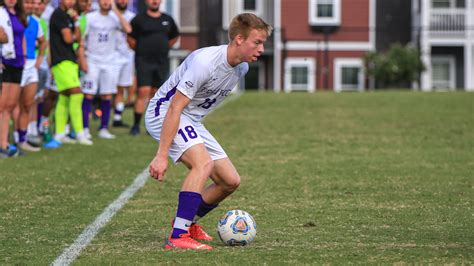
{"points": [[237, 228]]}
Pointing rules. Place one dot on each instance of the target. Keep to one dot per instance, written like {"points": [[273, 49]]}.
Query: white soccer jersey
{"points": [[126, 54], [205, 77], [100, 37], [48, 11]]}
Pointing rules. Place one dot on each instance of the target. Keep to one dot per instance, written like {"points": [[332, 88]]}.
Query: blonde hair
{"points": [[246, 22]]}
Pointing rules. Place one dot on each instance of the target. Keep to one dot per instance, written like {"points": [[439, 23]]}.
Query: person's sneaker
{"points": [[67, 140], [52, 144], [135, 130], [120, 123], [13, 151], [25, 146], [4, 154], [185, 242], [105, 134], [198, 233], [87, 133], [85, 141], [34, 140]]}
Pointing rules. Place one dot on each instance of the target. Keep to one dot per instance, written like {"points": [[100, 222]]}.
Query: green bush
{"points": [[397, 68]]}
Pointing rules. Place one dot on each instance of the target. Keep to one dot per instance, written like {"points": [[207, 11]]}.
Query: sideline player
{"points": [[29, 79], [100, 65], [174, 118], [127, 67], [63, 33], [153, 34]]}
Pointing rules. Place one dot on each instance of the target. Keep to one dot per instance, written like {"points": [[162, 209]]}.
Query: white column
{"points": [[468, 68], [425, 45], [277, 47], [469, 49]]}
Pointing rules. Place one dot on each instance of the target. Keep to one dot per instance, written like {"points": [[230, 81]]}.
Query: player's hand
{"points": [[158, 167], [72, 13], [113, 5]]}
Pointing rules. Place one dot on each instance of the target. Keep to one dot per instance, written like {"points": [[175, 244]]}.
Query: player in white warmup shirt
{"points": [[101, 51], [174, 118], [127, 67]]}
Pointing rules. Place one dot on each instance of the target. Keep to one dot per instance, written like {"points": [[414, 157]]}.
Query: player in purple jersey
{"points": [[174, 117]]}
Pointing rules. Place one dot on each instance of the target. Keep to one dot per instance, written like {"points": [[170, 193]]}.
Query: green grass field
{"points": [[384, 177]]}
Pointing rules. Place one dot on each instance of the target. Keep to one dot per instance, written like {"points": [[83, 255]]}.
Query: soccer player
{"points": [[174, 118], [153, 33], [12, 71], [127, 67], [63, 33], [101, 63], [29, 80]]}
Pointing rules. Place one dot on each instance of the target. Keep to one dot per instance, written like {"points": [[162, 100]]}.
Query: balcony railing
{"points": [[448, 22]]}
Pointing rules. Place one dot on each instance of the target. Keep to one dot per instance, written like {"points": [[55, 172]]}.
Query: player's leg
{"points": [[125, 81], [9, 98], [75, 113], [139, 107], [119, 107], [132, 92], [105, 107], [89, 86], [51, 97], [108, 87], [70, 100], [145, 81], [200, 165], [225, 179], [27, 99]]}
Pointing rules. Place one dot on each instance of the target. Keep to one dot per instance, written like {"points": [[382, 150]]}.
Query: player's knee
{"points": [[9, 106], [233, 183]]}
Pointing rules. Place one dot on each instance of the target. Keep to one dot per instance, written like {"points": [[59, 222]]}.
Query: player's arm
{"points": [[41, 50], [123, 22], [159, 165], [3, 36], [172, 42], [81, 57], [132, 35], [70, 37], [132, 43], [173, 34]]}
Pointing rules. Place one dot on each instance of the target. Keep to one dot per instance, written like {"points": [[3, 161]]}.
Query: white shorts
{"points": [[126, 74], [100, 76], [29, 75], [189, 134]]}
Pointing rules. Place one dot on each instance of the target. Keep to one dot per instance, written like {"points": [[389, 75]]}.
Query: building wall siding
{"points": [[354, 21]]}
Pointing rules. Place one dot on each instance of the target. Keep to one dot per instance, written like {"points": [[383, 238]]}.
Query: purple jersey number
{"points": [[190, 132]]}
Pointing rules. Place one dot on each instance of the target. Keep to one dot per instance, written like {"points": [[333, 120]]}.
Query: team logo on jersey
{"points": [[189, 84], [165, 23]]}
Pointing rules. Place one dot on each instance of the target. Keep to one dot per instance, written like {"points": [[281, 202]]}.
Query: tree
{"points": [[396, 68]]}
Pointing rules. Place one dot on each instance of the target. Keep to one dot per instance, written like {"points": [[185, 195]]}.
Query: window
{"points": [[324, 12], [300, 74], [348, 74], [441, 3], [251, 6], [443, 72]]}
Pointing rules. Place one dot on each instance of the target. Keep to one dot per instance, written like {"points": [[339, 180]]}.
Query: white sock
{"points": [[32, 129]]}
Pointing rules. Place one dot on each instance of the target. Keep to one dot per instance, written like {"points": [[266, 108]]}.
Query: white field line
{"points": [[72, 252]]}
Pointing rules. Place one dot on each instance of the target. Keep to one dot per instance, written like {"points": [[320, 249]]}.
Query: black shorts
{"points": [[12, 74], [151, 73]]}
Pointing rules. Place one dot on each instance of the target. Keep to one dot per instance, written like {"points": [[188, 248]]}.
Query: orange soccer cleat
{"points": [[185, 242], [198, 233]]}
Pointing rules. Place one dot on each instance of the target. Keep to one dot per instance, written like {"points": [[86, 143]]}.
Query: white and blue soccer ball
{"points": [[237, 228]]}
